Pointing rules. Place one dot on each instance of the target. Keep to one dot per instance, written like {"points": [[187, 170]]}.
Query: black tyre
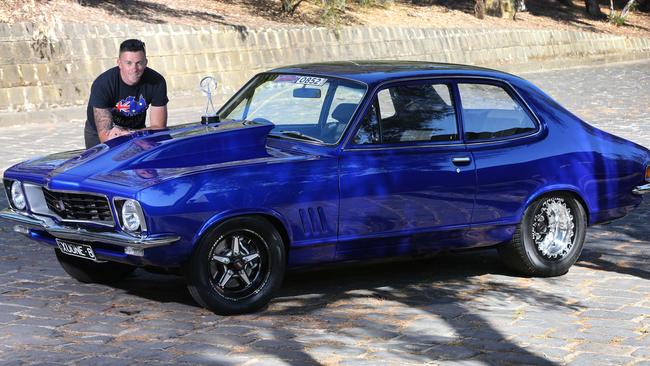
{"points": [[87, 271], [549, 239], [237, 267]]}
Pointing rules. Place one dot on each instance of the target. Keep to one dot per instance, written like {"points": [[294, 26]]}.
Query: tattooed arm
{"points": [[106, 130]]}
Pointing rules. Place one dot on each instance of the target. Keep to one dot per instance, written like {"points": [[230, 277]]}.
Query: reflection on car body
{"points": [[332, 162]]}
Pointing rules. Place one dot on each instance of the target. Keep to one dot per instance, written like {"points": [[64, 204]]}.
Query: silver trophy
{"points": [[208, 86]]}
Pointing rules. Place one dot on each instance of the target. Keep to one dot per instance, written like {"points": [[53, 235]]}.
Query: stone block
{"points": [[17, 98], [24, 52], [193, 44], [5, 99], [5, 32], [20, 31], [166, 45], [178, 65], [318, 35], [29, 75], [10, 76]]}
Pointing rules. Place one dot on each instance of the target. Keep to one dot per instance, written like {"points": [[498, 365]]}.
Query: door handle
{"points": [[465, 160]]}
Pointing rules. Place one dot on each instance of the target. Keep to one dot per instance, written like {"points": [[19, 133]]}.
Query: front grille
{"points": [[79, 206]]}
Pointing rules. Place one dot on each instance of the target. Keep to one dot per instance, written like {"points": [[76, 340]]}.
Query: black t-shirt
{"points": [[128, 103]]}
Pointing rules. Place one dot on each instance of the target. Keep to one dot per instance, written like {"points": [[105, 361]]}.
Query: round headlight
{"points": [[131, 215], [17, 195]]}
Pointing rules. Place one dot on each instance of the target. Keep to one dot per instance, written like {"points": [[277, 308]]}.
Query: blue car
{"points": [[332, 162]]}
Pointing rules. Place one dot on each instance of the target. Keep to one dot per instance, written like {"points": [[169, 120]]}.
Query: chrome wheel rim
{"points": [[553, 229], [238, 265]]}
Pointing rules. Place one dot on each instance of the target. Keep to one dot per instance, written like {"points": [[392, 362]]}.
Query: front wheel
{"points": [[84, 270], [237, 266], [549, 239]]}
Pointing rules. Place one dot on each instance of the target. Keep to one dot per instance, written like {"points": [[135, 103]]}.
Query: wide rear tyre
{"points": [[237, 267], [549, 239], [87, 271]]}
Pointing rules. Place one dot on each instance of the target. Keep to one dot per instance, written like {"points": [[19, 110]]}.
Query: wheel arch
{"points": [[273, 217], [567, 190]]}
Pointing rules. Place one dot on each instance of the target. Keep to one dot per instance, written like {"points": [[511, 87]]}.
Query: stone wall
{"points": [[46, 72]]}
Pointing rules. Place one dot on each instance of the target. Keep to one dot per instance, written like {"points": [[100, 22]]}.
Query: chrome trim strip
{"points": [[642, 189], [64, 232]]}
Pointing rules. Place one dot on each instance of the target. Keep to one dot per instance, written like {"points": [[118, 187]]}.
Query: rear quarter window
{"points": [[490, 112]]}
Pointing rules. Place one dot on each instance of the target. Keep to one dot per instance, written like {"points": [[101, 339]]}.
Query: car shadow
{"points": [[438, 286], [622, 246]]}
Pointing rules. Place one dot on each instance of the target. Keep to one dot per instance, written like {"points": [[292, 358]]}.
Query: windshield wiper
{"points": [[299, 135]]}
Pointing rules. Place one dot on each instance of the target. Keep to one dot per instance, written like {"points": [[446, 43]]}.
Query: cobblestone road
{"points": [[454, 309]]}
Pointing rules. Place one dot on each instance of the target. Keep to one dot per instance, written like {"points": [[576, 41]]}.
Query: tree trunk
{"points": [[520, 6], [290, 6], [500, 8], [479, 9], [626, 9], [593, 8]]}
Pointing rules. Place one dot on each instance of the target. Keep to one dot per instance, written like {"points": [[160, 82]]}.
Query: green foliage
{"points": [[333, 12], [616, 19]]}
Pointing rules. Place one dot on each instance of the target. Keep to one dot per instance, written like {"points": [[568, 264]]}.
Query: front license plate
{"points": [[78, 250]]}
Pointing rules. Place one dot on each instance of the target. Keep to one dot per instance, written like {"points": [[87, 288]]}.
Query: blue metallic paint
{"points": [[340, 202]]}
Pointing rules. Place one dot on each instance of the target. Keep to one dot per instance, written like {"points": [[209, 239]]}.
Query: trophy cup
{"points": [[208, 85]]}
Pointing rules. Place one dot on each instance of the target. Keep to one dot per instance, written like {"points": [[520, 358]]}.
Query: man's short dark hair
{"points": [[132, 45]]}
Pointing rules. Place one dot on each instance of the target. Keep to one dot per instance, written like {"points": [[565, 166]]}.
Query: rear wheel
{"points": [[237, 266], [549, 239], [87, 271]]}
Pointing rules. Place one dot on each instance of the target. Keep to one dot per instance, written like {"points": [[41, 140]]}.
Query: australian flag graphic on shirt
{"points": [[129, 113]]}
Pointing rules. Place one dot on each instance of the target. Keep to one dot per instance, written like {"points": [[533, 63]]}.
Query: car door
{"points": [[407, 182], [502, 135]]}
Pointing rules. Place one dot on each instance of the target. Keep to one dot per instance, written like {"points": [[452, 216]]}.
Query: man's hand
{"points": [[117, 132], [106, 130]]}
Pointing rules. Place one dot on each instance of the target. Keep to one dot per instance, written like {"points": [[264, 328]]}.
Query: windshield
{"points": [[302, 107]]}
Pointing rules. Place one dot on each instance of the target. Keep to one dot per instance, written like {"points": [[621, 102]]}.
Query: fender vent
{"points": [[313, 221]]}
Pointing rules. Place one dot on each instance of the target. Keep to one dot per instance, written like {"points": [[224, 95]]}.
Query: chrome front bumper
{"points": [[642, 189], [24, 223]]}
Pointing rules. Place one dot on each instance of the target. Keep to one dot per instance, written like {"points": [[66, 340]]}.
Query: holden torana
{"points": [[331, 162]]}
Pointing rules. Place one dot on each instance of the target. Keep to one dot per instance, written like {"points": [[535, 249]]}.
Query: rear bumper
{"points": [[24, 223], [642, 189]]}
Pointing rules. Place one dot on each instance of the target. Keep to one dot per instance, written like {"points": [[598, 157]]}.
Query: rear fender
{"points": [[556, 188]]}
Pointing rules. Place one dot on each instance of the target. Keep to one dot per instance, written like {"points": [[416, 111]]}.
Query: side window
{"points": [[369, 130], [421, 113], [489, 112], [417, 112]]}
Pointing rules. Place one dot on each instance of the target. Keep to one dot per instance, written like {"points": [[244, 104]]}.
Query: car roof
{"points": [[373, 72]]}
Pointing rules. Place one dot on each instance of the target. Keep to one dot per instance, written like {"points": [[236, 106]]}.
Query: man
{"points": [[120, 97]]}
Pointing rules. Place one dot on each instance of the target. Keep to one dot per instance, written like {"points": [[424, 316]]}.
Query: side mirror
{"points": [[306, 93]]}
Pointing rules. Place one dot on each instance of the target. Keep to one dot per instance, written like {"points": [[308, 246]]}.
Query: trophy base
{"points": [[209, 119]]}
